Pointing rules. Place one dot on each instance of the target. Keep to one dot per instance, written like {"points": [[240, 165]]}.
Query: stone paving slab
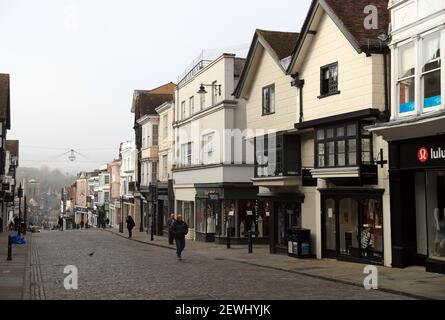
{"points": [[13, 274], [412, 282]]}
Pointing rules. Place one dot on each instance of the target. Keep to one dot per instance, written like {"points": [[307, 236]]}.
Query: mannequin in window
{"points": [[439, 220], [210, 220]]}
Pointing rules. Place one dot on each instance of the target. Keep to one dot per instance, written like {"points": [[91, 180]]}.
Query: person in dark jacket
{"points": [[180, 229], [171, 237], [60, 223], [130, 226]]}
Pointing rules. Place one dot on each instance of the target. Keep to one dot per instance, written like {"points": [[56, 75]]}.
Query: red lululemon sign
{"points": [[423, 155]]}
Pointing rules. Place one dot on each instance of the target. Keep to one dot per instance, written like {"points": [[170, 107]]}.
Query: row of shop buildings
{"points": [[9, 158], [338, 128]]}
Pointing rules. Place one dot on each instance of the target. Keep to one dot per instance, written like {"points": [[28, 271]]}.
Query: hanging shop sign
{"points": [[213, 196], [81, 209]]}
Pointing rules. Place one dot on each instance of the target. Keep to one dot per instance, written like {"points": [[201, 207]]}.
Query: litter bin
{"points": [[299, 243]]}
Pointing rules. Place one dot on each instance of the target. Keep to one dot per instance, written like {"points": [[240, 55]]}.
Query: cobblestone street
{"points": [[112, 267]]}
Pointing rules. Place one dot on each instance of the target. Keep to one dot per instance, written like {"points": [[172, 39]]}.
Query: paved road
{"points": [[123, 269]]}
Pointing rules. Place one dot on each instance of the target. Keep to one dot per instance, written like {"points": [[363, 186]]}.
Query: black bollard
{"points": [[9, 248], [228, 233], [228, 239], [249, 234]]}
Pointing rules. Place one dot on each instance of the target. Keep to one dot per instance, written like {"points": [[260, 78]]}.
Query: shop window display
{"points": [[372, 228], [435, 184], [228, 226], [353, 226], [349, 233], [200, 215]]}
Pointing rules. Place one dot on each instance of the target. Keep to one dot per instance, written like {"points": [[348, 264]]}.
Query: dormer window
{"points": [[329, 80]]}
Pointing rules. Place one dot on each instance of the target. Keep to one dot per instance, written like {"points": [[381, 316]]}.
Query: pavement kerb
{"points": [[352, 283]]}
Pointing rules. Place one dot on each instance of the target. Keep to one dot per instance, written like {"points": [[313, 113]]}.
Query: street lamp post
{"points": [[153, 208], [20, 195], [25, 218]]}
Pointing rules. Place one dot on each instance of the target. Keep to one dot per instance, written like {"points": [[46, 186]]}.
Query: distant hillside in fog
{"points": [[52, 180]]}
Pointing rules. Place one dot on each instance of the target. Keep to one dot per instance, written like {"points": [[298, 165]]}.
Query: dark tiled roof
{"points": [[4, 98], [13, 147], [351, 15], [147, 102], [283, 43]]}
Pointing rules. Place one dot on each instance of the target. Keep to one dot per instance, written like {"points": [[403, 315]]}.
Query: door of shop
{"points": [[287, 216], [352, 228]]}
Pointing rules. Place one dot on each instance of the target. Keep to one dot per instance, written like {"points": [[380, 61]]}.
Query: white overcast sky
{"points": [[74, 64]]}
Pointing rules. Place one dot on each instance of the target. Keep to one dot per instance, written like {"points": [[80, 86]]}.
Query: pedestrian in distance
{"points": [[82, 224], [180, 229], [171, 237], [16, 223], [130, 226], [107, 222], [60, 223]]}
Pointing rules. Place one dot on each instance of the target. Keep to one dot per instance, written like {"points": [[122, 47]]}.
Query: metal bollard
{"points": [[9, 248], [249, 234]]}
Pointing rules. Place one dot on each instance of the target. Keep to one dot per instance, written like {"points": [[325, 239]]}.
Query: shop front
{"points": [[281, 212], [417, 179], [352, 193], [229, 210], [165, 206], [352, 224]]}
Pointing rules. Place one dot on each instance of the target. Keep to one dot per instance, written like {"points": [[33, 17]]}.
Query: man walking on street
{"points": [[180, 229], [171, 237], [60, 223], [130, 226]]}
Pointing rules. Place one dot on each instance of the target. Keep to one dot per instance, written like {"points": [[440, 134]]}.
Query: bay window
{"points": [[343, 145], [419, 75], [277, 155], [154, 172], [406, 78], [155, 135], [431, 68]]}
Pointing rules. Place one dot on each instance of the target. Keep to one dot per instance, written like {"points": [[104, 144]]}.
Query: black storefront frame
{"points": [[217, 194], [404, 163], [344, 193], [272, 199]]}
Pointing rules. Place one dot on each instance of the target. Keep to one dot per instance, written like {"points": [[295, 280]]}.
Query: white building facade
{"points": [[213, 190]]}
